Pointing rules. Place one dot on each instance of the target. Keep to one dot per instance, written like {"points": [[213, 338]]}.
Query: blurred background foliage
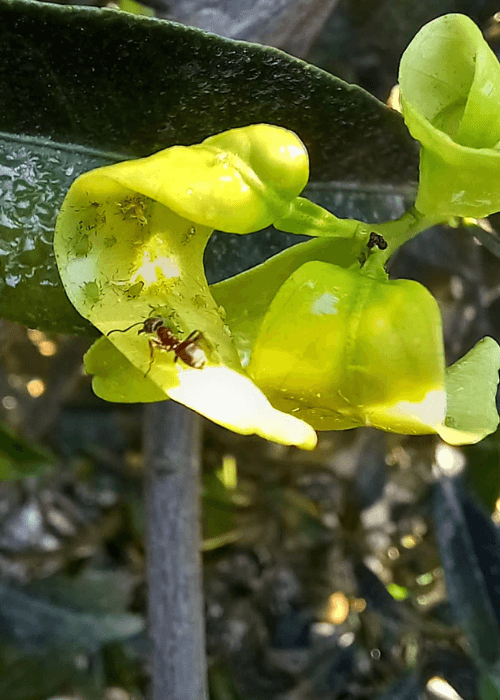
{"points": [[366, 570]]}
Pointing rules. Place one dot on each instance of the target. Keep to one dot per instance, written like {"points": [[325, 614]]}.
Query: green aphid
{"points": [[83, 245], [134, 291], [133, 208], [110, 242], [187, 236], [199, 301], [92, 292]]}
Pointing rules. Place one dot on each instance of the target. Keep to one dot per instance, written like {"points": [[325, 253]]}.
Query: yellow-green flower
{"points": [[450, 93], [293, 345], [129, 245], [340, 349]]}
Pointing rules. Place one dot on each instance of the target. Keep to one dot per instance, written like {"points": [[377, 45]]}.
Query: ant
{"points": [[188, 350], [376, 239]]}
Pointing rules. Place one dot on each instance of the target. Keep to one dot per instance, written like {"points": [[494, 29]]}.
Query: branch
{"points": [[172, 448]]}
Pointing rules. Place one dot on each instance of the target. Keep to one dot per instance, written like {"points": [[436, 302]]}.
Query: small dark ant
{"points": [[376, 239], [188, 350]]}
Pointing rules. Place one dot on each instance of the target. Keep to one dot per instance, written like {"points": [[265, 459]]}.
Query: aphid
{"points": [[133, 208], [134, 291], [83, 246], [188, 235], [92, 292], [110, 242], [188, 350]]}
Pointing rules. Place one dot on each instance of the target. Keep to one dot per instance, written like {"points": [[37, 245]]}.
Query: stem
{"points": [[403, 229], [396, 233], [172, 448], [307, 218]]}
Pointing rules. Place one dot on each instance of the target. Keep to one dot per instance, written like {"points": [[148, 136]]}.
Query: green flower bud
{"points": [[450, 93], [340, 349], [238, 181]]}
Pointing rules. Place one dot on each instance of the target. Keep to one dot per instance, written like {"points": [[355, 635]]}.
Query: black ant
{"points": [[188, 350], [376, 239]]}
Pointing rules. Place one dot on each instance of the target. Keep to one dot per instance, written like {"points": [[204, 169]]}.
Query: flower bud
{"points": [[238, 181], [340, 349], [450, 93]]}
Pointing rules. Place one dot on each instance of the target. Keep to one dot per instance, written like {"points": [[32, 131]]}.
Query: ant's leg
{"points": [[151, 356], [124, 330]]}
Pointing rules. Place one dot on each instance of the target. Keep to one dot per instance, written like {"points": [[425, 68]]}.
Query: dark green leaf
{"points": [[370, 202], [483, 475], [93, 590], [39, 625], [470, 552], [35, 679], [85, 87], [408, 688], [19, 458]]}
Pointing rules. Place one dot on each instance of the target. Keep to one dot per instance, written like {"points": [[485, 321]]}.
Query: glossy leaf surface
{"points": [[75, 88], [470, 553]]}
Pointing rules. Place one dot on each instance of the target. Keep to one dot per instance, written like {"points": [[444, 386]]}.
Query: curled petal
{"points": [[450, 89], [238, 181], [227, 397], [129, 245]]}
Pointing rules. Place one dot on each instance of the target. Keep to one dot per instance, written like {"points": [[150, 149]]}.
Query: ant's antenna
{"points": [[124, 330]]}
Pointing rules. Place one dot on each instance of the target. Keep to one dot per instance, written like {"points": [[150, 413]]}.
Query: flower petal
{"points": [[471, 384], [340, 349], [223, 395], [233, 400], [450, 92]]}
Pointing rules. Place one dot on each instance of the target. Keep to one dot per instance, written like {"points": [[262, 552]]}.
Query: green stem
{"points": [[403, 229], [306, 218], [309, 219], [396, 233]]}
